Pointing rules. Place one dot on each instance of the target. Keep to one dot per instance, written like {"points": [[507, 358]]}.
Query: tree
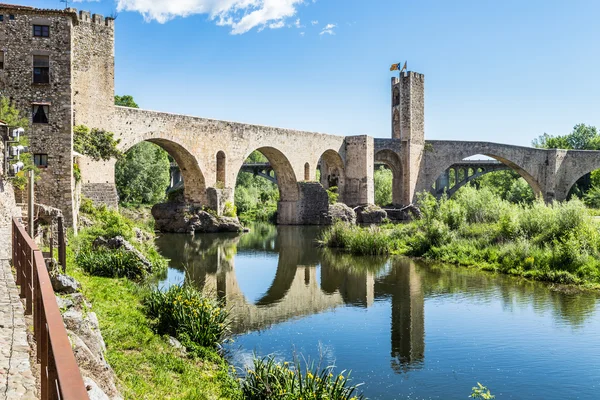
{"points": [[383, 178], [142, 175], [508, 185], [95, 143], [125, 101], [583, 137]]}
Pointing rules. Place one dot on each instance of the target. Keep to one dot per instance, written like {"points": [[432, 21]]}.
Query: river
{"points": [[408, 330]]}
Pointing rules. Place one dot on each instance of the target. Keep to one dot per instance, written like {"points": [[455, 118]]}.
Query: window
{"points": [[41, 69], [1, 59], [41, 30], [40, 113], [1, 18], [11, 17], [40, 160]]}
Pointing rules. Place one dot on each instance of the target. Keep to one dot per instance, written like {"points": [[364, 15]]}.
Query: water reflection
{"points": [[278, 283]]}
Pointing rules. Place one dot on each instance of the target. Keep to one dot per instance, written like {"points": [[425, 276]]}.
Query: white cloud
{"points": [[277, 25], [297, 24], [302, 33], [241, 15], [328, 29], [314, 22]]}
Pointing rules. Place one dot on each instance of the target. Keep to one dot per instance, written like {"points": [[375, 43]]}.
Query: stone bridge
{"points": [[210, 154], [80, 91]]}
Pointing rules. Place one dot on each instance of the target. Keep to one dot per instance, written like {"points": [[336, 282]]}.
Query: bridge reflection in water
{"points": [[306, 281]]}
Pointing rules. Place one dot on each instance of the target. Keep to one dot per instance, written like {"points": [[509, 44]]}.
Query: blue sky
{"points": [[504, 71]]}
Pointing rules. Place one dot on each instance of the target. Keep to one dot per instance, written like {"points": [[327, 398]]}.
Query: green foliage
{"points": [[13, 118], [229, 210], [592, 197], [95, 143], [507, 184], [184, 312], [270, 380], [559, 242], [142, 176], [76, 173], [383, 178], [333, 195], [256, 197], [111, 263], [356, 240], [146, 365], [481, 392], [583, 137], [125, 101]]}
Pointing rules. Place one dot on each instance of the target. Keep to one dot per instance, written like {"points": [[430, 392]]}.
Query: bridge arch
{"points": [[193, 178], [440, 156], [392, 160], [287, 182], [333, 171]]}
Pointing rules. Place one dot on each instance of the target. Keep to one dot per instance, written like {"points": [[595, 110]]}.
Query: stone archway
{"points": [[392, 160], [193, 178], [333, 172]]}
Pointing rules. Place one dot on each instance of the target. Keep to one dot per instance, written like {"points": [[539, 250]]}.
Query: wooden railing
{"points": [[60, 376]]}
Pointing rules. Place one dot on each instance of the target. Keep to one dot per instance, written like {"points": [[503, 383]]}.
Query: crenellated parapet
{"points": [[89, 18]]}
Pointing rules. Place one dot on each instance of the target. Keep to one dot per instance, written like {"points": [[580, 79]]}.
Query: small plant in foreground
{"points": [[183, 311], [270, 380], [481, 392]]}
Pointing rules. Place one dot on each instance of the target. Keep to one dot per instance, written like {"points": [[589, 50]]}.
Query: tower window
{"points": [[40, 160], [11, 17], [1, 59], [41, 69], [41, 30], [40, 113], [1, 18]]}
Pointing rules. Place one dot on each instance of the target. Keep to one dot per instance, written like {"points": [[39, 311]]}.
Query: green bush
{"points": [[558, 242], [383, 178], [360, 241], [270, 380], [111, 263], [186, 313], [333, 195], [229, 210]]}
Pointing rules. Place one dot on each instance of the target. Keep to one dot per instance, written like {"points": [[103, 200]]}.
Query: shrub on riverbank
{"points": [[270, 380], [184, 312], [558, 242], [111, 263]]}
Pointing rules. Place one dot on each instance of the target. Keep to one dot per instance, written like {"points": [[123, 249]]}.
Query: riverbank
{"points": [[146, 364], [558, 243], [136, 320]]}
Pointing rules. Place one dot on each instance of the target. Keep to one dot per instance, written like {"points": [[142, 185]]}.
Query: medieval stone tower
{"points": [[57, 67], [408, 126]]}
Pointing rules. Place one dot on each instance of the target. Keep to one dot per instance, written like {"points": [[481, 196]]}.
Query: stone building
{"points": [[57, 67]]}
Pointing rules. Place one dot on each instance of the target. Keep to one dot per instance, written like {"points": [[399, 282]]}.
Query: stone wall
{"points": [[93, 71], [16, 82]]}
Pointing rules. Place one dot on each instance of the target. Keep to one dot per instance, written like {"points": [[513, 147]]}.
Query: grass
{"points": [[146, 365], [559, 242], [270, 380]]}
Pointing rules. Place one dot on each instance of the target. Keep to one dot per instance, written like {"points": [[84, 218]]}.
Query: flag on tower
{"points": [[398, 67]]}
